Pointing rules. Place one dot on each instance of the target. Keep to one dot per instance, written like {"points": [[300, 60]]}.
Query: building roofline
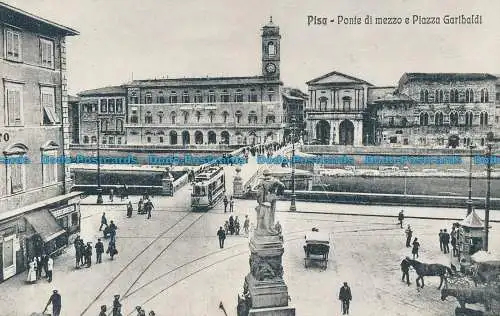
{"points": [[67, 30], [313, 81]]}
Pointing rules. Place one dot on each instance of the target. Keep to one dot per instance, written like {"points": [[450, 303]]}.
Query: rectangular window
{"points": [[104, 105], [111, 105], [198, 98], [12, 44], [74, 219], [48, 106], [211, 97], [111, 140], [172, 99], [185, 98], [119, 105], [119, 140], [63, 222], [161, 139], [16, 175], [224, 98], [47, 53], [14, 104], [49, 170], [253, 98]]}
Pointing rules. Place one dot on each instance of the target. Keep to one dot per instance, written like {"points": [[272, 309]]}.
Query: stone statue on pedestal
{"points": [[267, 192]]}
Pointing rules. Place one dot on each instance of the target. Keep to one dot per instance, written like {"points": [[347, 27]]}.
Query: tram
{"points": [[209, 187]]}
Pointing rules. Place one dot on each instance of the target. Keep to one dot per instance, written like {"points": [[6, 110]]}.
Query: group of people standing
{"points": [[37, 265], [144, 206], [228, 202], [232, 227], [415, 245]]}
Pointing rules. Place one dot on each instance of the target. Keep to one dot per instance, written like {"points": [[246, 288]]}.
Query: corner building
{"points": [[37, 214], [212, 110]]}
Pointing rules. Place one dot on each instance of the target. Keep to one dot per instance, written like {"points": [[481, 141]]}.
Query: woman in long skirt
{"points": [[31, 272]]}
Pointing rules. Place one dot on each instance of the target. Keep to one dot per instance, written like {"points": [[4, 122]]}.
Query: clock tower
{"points": [[271, 50]]}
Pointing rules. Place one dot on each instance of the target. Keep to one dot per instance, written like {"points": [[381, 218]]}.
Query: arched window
{"points": [[119, 125], [424, 119], [323, 101], [93, 139], [270, 118], [454, 96], [185, 114], [85, 139], [438, 119], [238, 115], [134, 117], [252, 117], [238, 97], [185, 97], [198, 116], [271, 49], [211, 116], [484, 119], [16, 172], [173, 138], [454, 118], [485, 96], [469, 118], [148, 118], [172, 98], [104, 125], [252, 97], [225, 115], [422, 96], [469, 95], [160, 98], [439, 96], [172, 117], [404, 122], [149, 98], [160, 117], [197, 97]]}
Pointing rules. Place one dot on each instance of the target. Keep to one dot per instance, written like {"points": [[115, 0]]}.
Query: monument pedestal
{"points": [[273, 311], [238, 184]]}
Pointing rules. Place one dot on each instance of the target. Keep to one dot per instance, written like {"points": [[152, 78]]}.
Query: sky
{"points": [[140, 39]]}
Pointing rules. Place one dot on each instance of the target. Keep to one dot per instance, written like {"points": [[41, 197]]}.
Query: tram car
{"points": [[209, 187]]}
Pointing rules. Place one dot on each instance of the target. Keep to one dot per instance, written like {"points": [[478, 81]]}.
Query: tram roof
{"points": [[207, 174]]}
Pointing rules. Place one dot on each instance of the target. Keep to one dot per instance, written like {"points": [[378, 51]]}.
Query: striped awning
{"points": [[44, 224]]}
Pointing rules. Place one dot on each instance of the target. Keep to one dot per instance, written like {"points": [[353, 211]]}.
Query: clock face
{"points": [[271, 68]]}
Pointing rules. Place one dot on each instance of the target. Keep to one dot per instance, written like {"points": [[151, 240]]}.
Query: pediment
{"points": [[337, 78]]}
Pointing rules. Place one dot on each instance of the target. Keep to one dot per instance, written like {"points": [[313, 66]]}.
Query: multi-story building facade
{"points": [[336, 109], [204, 111], [37, 214], [294, 105], [103, 108], [438, 110], [190, 111]]}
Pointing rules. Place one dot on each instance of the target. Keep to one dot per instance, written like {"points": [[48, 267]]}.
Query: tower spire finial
{"points": [[270, 19]]}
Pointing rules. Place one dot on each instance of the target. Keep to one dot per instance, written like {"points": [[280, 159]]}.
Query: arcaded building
{"points": [[438, 110]]}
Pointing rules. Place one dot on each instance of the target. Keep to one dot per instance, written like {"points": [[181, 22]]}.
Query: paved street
{"points": [[172, 263]]}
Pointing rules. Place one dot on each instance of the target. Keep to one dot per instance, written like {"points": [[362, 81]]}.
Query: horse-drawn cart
{"points": [[316, 248]]}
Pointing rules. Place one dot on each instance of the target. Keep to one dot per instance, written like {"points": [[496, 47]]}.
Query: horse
{"points": [[429, 269], [470, 296]]}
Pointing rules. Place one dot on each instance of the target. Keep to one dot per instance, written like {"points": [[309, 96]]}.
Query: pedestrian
{"points": [[454, 241], [409, 234], [222, 236], [231, 205], [231, 225], [82, 251], [150, 207], [345, 297], [111, 194], [140, 206], [246, 224], [117, 306], [44, 264], [104, 221], [50, 268], [416, 246], [55, 300], [88, 254], [401, 218], [76, 243], [103, 311], [140, 311], [446, 241], [405, 268], [31, 271], [124, 192], [236, 225], [99, 249], [112, 249], [39, 267], [130, 209], [151, 313], [225, 203], [278, 227], [441, 239], [226, 227], [112, 231]]}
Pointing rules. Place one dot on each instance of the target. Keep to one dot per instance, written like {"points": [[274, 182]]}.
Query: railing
{"points": [[177, 184]]}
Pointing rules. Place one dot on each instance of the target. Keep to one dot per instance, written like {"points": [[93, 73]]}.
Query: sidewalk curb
{"points": [[380, 215]]}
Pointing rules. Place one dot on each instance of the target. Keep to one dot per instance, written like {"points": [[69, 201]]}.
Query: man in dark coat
{"points": [[345, 297], [77, 251], [99, 249], [149, 207], [117, 306], [55, 299], [446, 241], [222, 235], [225, 204], [104, 221], [231, 225], [401, 218], [88, 255], [405, 268], [112, 231], [82, 251], [409, 234], [441, 239]]}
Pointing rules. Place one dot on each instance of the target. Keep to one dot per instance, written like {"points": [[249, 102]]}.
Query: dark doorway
{"points": [[346, 130], [323, 132]]}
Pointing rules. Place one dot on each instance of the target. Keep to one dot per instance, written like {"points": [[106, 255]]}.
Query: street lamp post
{"points": [[405, 168], [293, 208], [99, 189], [469, 201], [488, 195]]}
